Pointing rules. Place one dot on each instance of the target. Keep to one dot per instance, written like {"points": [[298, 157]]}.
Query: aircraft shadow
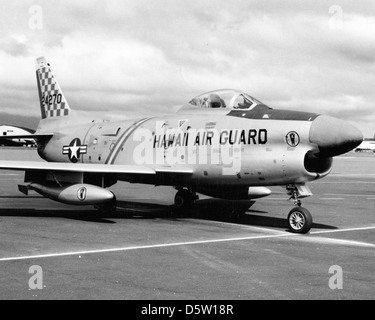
{"points": [[87, 215], [238, 212]]}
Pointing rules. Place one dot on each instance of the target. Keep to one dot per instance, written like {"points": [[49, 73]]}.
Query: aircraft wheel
{"points": [[183, 200], [299, 220]]}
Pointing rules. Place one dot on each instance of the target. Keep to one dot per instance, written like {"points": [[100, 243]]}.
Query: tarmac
{"points": [[146, 252]]}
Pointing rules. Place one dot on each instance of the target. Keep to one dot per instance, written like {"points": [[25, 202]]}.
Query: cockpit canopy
{"points": [[230, 99]]}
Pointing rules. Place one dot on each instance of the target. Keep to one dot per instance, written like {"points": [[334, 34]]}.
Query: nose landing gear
{"points": [[299, 218]]}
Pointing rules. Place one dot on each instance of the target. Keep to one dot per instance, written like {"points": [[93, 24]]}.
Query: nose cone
{"points": [[334, 136]]}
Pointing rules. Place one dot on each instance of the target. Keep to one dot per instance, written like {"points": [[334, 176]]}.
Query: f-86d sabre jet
{"points": [[223, 144]]}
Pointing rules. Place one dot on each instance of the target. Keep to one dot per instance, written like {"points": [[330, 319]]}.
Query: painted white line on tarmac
{"points": [[325, 240], [349, 194], [241, 226], [351, 174], [344, 230], [164, 245], [177, 244]]}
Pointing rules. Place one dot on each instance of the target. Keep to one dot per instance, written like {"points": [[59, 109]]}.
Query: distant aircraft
{"points": [[223, 144], [365, 146], [6, 130]]}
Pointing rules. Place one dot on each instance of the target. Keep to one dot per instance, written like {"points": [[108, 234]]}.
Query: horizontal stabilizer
{"points": [[28, 136]]}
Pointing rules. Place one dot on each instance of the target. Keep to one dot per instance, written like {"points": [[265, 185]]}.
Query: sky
{"points": [[135, 58]]}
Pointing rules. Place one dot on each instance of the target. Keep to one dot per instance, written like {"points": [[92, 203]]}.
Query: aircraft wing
{"points": [[87, 167]]}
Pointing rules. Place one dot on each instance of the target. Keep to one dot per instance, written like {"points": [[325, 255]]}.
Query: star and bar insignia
{"points": [[74, 150]]}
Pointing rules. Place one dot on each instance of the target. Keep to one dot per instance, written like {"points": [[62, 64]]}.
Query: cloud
{"points": [[13, 47], [143, 57]]}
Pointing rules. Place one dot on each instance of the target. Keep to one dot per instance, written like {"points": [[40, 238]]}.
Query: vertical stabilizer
{"points": [[52, 101]]}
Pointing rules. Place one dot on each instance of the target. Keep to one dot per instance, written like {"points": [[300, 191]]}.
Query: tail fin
{"points": [[52, 100]]}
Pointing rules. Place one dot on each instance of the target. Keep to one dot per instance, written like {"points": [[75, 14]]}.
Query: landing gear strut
{"points": [[185, 200], [299, 218]]}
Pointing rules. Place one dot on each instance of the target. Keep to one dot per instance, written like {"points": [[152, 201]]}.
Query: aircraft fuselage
{"points": [[221, 149]]}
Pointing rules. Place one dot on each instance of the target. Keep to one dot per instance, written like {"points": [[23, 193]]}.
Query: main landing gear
{"points": [[299, 218], [184, 200]]}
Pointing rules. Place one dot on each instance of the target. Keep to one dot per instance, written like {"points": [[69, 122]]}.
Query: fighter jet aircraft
{"points": [[224, 144]]}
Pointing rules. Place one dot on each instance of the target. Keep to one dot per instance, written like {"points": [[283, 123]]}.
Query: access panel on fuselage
{"points": [[101, 140]]}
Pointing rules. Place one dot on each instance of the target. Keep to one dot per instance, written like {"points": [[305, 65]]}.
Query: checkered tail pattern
{"points": [[52, 100]]}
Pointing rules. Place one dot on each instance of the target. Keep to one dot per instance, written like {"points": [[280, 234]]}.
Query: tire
{"points": [[299, 220], [184, 200]]}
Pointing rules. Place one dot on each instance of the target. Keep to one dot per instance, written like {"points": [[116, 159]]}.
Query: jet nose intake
{"points": [[334, 136]]}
